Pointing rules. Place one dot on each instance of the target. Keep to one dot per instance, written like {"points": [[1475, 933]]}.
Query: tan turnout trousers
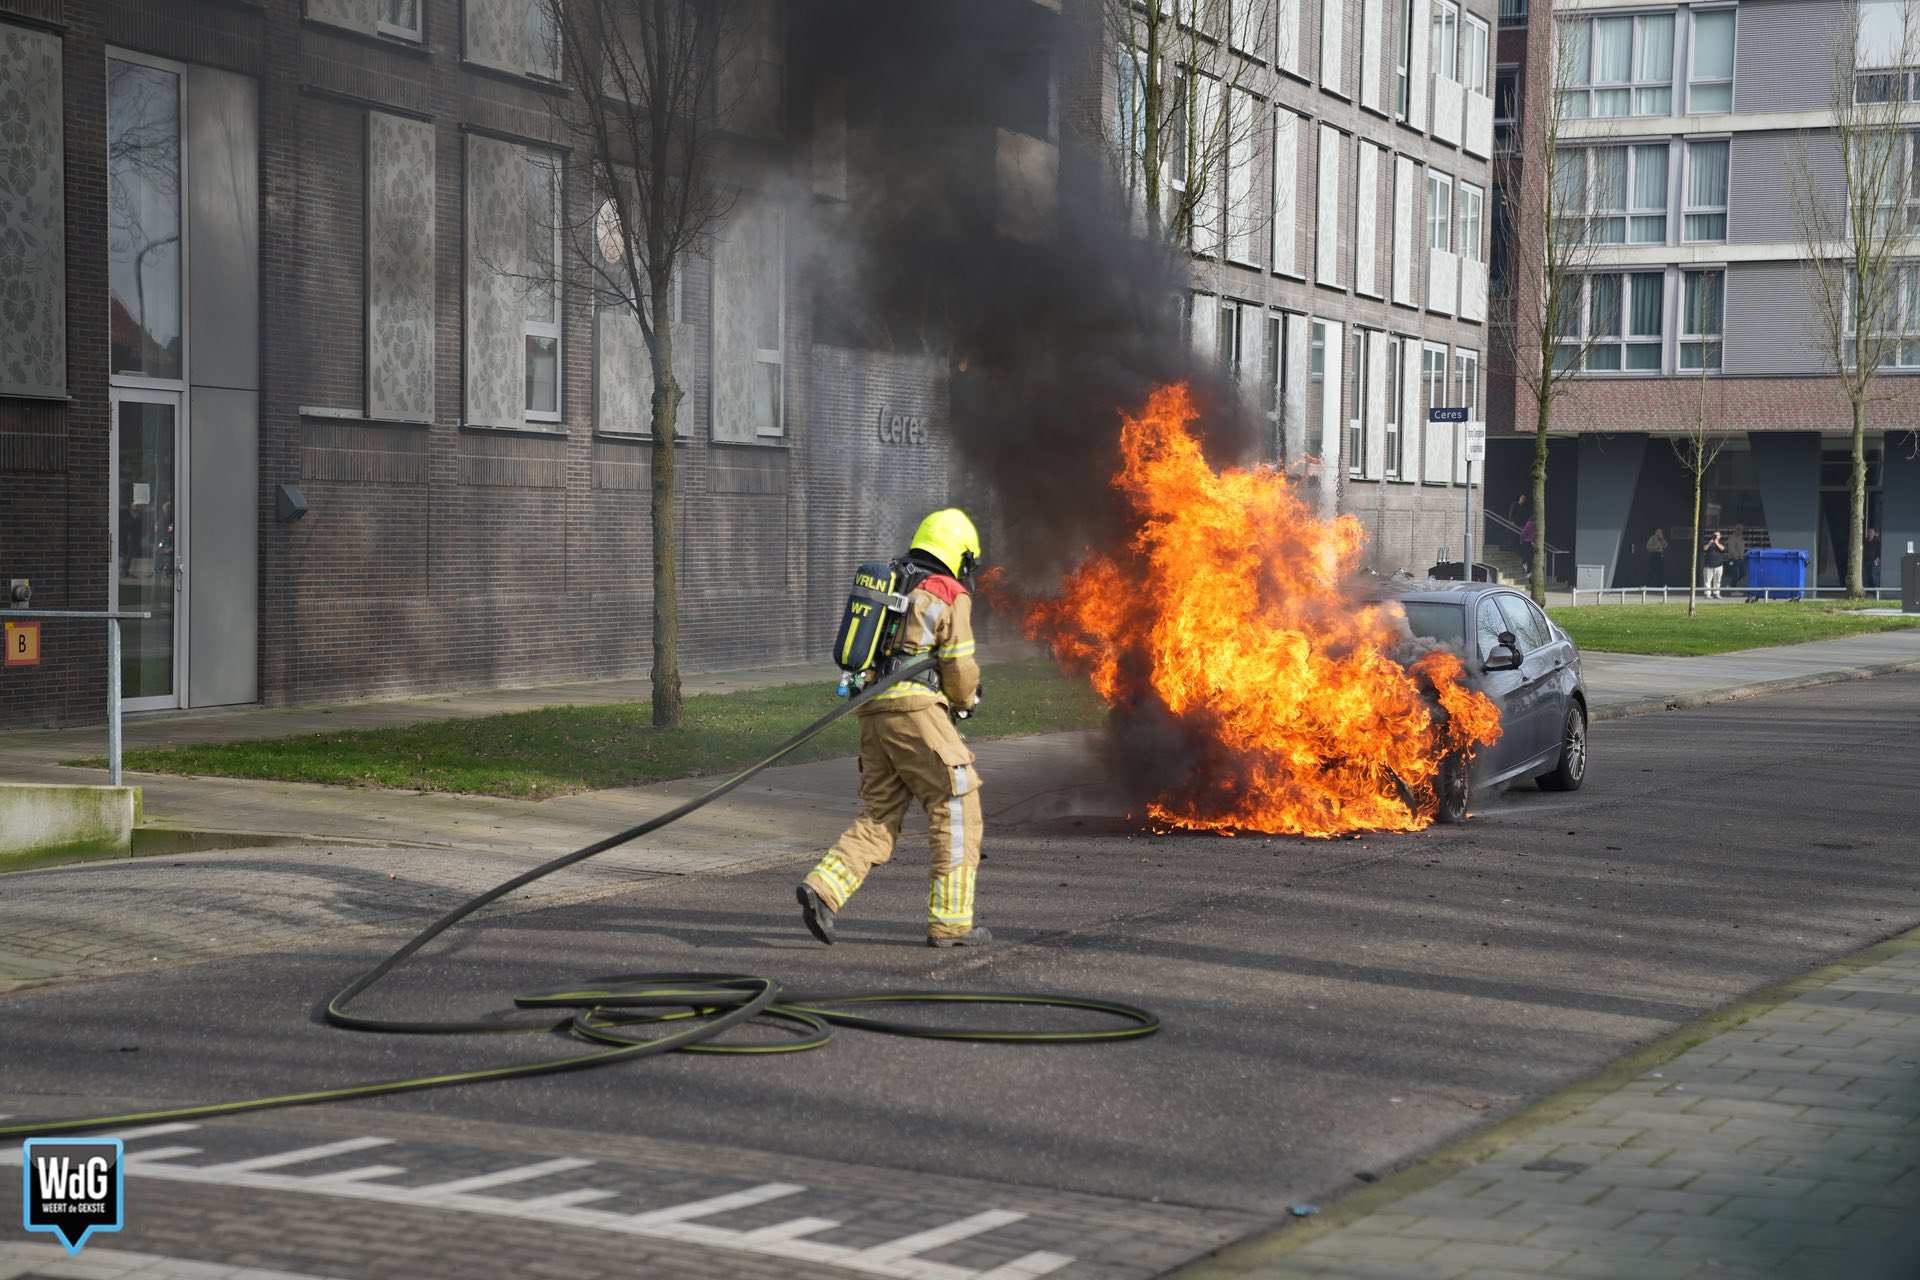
{"points": [[910, 750]]}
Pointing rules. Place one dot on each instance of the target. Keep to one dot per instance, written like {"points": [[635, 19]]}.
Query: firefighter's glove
{"points": [[966, 712]]}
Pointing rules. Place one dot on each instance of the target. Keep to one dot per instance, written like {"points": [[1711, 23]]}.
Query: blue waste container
{"points": [[1777, 573]]}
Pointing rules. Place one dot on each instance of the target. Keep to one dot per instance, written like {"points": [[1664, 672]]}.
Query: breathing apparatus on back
{"points": [[867, 644]]}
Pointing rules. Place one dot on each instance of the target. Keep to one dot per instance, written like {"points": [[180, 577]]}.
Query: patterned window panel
{"points": [[33, 249], [400, 268], [496, 283]]}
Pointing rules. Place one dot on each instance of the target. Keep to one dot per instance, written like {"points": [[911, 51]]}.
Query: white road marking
{"points": [[716, 1204], [568, 1198], [1027, 1268], [11, 1155], [365, 1173], [791, 1229], [160, 1153], [939, 1237], [303, 1154], [895, 1259], [485, 1181], [53, 1262]]}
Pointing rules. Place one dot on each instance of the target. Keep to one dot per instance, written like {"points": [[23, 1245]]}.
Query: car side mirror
{"points": [[1505, 655]]}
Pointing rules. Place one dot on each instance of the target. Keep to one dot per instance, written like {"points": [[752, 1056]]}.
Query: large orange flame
{"points": [[1230, 609]]}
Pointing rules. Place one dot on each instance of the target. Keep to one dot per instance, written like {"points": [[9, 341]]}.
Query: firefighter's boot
{"points": [[978, 936], [817, 914]]}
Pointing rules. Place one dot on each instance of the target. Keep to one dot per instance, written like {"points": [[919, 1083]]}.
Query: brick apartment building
{"points": [[1342, 274], [254, 254], [1691, 116]]}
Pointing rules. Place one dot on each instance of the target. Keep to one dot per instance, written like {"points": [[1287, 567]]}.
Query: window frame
{"points": [[183, 176], [1512, 11], [1444, 179], [1403, 67], [1461, 189], [1694, 81], [1433, 358], [1585, 341], [1394, 455], [1236, 27], [414, 35], [1690, 210], [1442, 15], [1626, 214], [1633, 86], [1463, 358], [1317, 351], [555, 163], [1705, 343], [1483, 83], [1506, 132], [557, 74]]}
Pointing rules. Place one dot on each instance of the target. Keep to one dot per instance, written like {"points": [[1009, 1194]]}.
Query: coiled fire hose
{"points": [[707, 1005]]}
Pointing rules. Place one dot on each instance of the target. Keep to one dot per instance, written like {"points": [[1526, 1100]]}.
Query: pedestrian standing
{"points": [[1526, 547], [1737, 554], [1870, 556], [1713, 559], [1657, 558]]}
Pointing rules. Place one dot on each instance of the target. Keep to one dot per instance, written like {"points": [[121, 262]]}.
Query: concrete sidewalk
{"points": [[782, 813], [1786, 1145]]}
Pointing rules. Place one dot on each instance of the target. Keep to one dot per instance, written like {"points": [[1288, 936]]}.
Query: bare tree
{"points": [[1181, 111], [1854, 202], [1697, 448], [647, 117], [1552, 306]]}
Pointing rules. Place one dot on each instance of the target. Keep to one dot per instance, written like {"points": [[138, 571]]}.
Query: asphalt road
{"points": [[1332, 1008]]}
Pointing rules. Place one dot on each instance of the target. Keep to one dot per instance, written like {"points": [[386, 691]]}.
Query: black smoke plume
{"points": [[1048, 336]]}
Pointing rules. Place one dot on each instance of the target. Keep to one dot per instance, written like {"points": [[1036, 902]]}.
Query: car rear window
{"points": [[1443, 622]]}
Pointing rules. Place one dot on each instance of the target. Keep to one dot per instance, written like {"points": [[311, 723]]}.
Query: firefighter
{"points": [[910, 749]]}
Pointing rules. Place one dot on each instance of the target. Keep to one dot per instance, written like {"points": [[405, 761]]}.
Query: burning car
{"points": [[1527, 667]]}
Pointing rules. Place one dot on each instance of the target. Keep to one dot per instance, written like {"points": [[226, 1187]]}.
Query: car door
{"points": [[1540, 706], [1500, 686]]}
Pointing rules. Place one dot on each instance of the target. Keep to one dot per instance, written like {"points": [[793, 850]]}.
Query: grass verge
{"points": [[1718, 628], [558, 750]]}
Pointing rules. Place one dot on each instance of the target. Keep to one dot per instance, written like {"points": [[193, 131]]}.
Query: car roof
{"points": [[1432, 591]]}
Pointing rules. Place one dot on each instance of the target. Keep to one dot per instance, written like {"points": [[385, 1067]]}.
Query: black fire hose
{"points": [[604, 1015]]}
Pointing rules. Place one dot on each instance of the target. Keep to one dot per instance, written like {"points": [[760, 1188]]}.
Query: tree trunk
{"points": [[1857, 505], [666, 602], [1693, 561], [1537, 562], [1151, 153]]}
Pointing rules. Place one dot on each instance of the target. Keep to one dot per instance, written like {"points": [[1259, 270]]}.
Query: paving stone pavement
{"points": [[360, 1192], [1787, 1147]]}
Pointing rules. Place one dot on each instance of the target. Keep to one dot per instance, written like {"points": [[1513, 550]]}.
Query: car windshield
{"points": [[1443, 622]]}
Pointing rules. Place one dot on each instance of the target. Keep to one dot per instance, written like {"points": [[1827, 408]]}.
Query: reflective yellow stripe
{"points": [[838, 879], [950, 900], [960, 650]]}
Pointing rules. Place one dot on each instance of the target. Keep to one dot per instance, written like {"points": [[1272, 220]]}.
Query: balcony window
{"points": [[1513, 10]]}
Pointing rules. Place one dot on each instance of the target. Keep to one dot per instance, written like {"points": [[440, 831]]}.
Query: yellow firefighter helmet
{"points": [[949, 537]]}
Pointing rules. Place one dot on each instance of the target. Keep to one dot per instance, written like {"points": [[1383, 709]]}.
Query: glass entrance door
{"points": [[149, 567]]}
